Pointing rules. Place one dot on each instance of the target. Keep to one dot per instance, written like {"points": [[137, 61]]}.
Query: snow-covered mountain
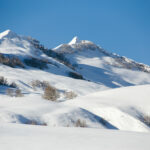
{"points": [[99, 66], [108, 91]]}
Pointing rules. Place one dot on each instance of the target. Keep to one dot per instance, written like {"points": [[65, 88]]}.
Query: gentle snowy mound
{"points": [[124, 108], [22, 137], [120, 108]]}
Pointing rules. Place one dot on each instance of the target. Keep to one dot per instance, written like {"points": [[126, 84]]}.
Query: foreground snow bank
{"points": [[23, 137]]}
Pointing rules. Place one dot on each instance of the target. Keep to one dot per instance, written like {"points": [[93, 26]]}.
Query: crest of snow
{"points": [[57, 47], [7, 34], [75, 40]]}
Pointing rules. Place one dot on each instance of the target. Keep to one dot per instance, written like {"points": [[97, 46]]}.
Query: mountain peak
{"points": [[75, 40], [8, 33]]}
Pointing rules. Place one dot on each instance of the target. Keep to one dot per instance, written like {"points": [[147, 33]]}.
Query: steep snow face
{"points": [[13, 44], [75, 40], [8, 34], [99, 66]]}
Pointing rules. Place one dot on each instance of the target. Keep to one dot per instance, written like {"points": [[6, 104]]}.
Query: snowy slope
{"points": [[122, 107], [13, 45]]}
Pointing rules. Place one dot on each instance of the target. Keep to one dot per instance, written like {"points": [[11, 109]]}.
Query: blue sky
{"points": [[120, 26]]}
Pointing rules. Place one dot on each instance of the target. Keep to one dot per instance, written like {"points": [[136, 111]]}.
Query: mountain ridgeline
{"points": [[79, 59]]}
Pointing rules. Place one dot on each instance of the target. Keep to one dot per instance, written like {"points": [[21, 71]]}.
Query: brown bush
{"points": [[39, 84], [18, 93], [10, 61], [14, 92], [146, 119], [70, 95], [10, 92], [80, 123], [51, 93]]}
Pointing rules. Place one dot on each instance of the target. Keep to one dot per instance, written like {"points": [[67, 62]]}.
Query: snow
{"points": [[122, 107], [16, 137], [96, 65], [75, 40], [7, 34]]}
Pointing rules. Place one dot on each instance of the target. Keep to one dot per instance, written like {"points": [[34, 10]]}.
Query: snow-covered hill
{"points": [[110, 92]]}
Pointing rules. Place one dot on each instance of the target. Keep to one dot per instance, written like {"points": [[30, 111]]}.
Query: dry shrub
{"points": [[36, 63], [75, 75], [146, 120], [34, 122], [3, 81], [18, 93], [70, 95], [10, 61], [80, 123], [13, 85], [10, 92], [51, 93], [39, 84], [14, 92]]}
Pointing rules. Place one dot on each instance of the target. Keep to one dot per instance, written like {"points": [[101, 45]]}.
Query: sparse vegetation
{"points": [[146, 119], [13, 85], [80, 123], [18, 93], [10, 61], [14, 92], [70, 95], [37, 63], [51, 93], [58, 56], [39, 84], [75, 75], [34, 122], [4, 82], [10, 92]]}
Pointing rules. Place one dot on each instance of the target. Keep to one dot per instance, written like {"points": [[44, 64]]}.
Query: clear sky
{"points": [[120, 26]]}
